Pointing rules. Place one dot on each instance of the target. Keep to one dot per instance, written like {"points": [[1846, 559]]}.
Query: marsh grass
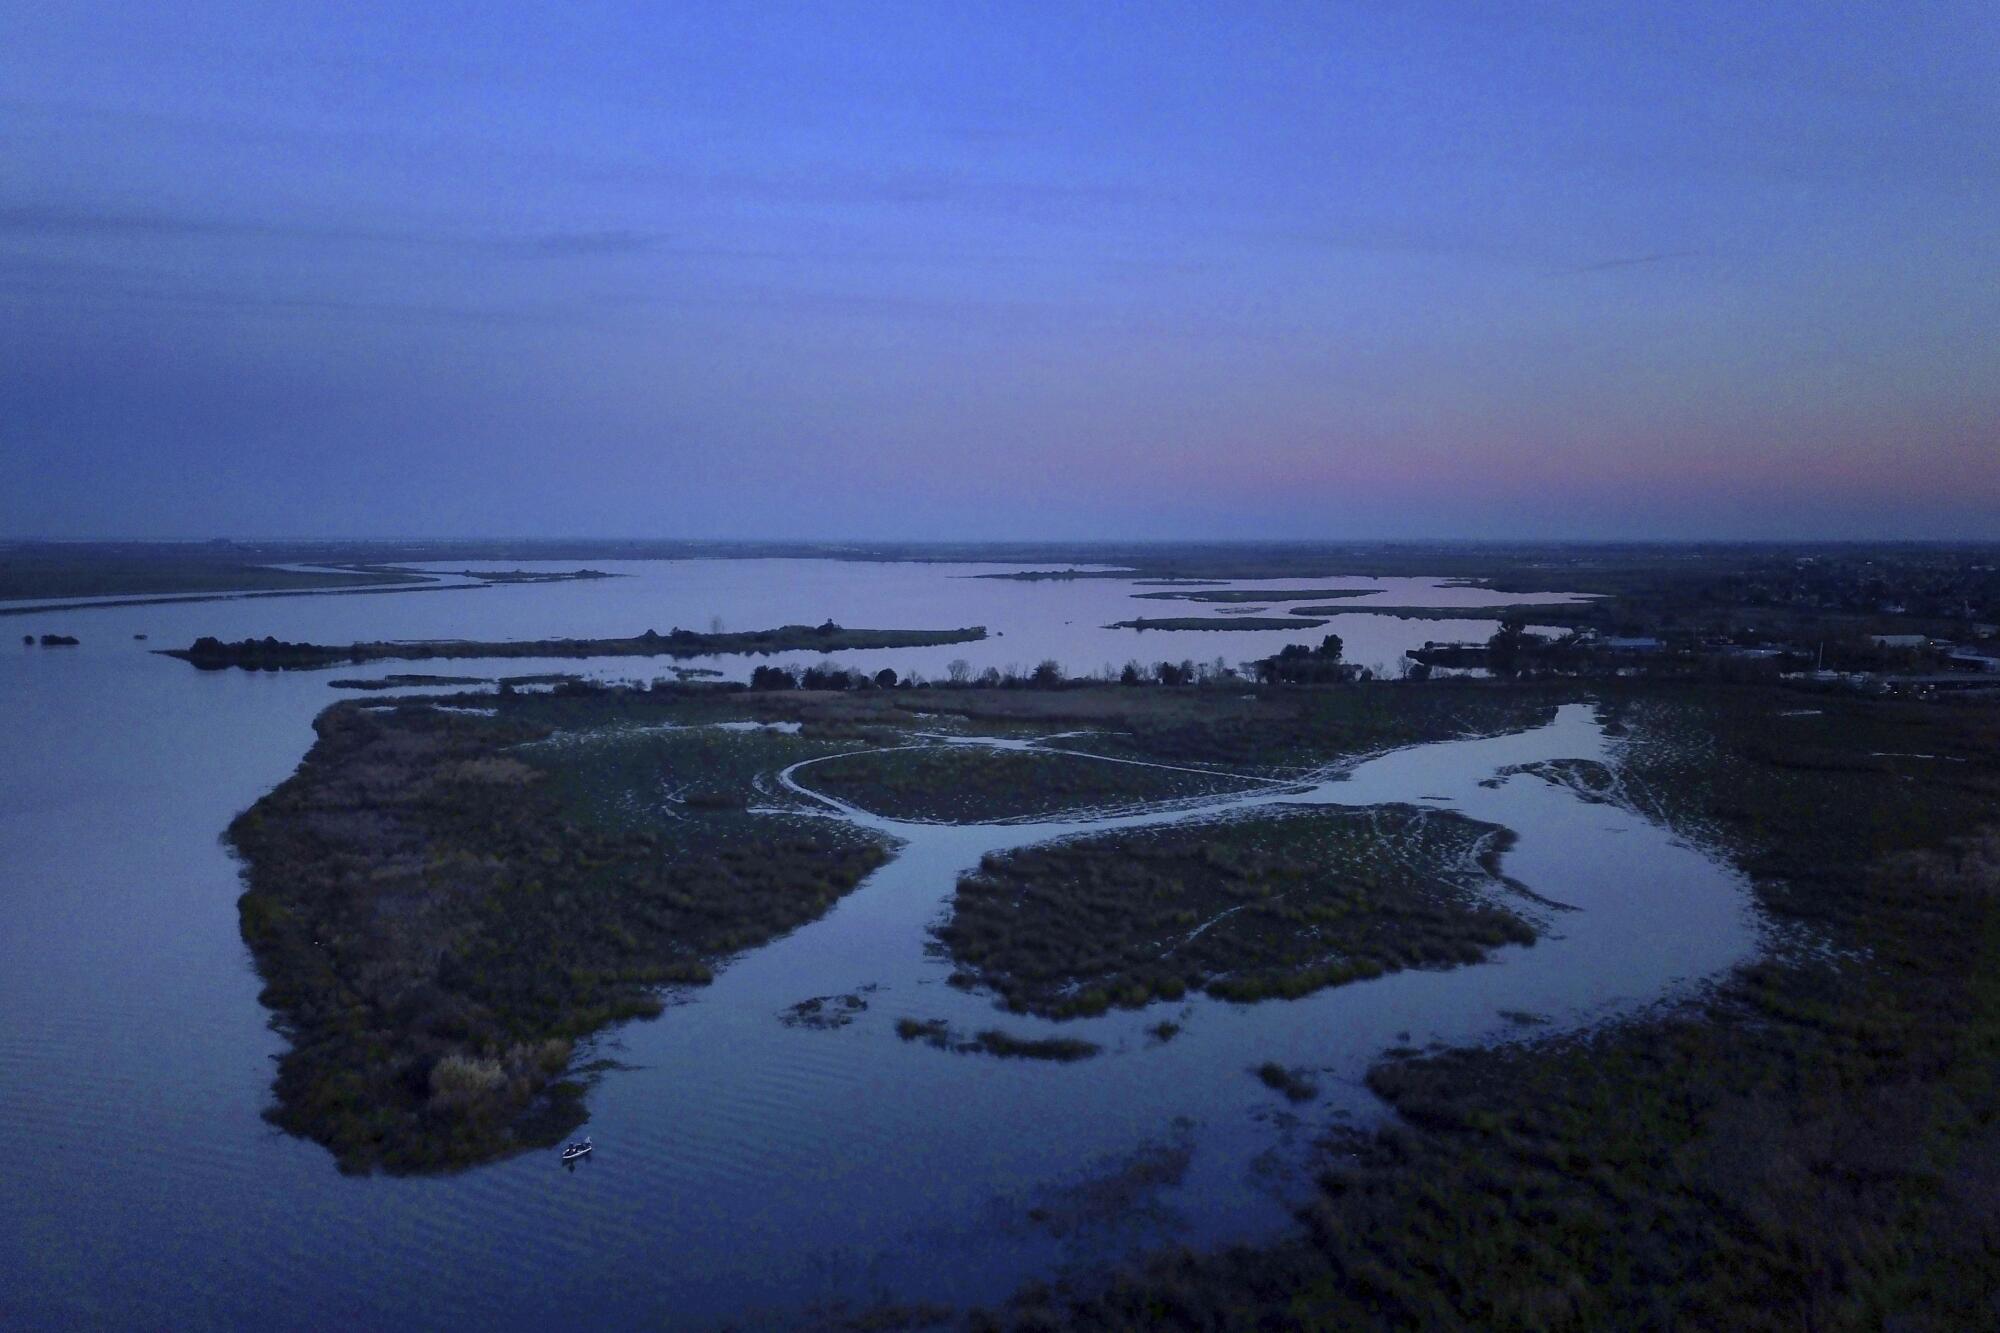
{"points": [[441, 903], [1296, 1087], [1811, 1145], [1248, 909], [992, 1041]]}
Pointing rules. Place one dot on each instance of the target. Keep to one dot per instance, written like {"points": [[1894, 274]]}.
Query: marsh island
{"points": [[450, 894], [271, 654]]}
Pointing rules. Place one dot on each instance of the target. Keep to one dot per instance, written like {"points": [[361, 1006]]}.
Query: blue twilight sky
{"points": [[1021, 270]]}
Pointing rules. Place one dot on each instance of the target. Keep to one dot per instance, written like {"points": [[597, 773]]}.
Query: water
{"points": [[746, 1169], [1026, 621]]}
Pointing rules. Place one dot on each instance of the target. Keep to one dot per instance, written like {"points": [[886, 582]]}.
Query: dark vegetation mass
{"points": [[1247, 909], [103, 574], [992, 1041], [1816, 1145], [1218, 623], [443, 904], [1812, 1145], [1295, 1086], [271, 654], [1217, 723]]}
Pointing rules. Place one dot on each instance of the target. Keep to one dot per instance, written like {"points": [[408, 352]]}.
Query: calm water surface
{"points": [[748, 1169]]}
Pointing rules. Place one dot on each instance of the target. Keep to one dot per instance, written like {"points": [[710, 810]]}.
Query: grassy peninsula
{"points": [[442, 904]]}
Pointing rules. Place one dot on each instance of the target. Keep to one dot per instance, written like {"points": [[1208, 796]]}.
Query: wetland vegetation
{"points": [[1248, 909], [1295, 1086], [444, 900], [1810, 1145], [272, 654], [1260, 596], [442, 904], [979, 784], [992, 1041]]}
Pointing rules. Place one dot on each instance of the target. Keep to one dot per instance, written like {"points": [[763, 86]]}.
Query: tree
{"points": [[1503, 650], [958, 670], [1048, 674], [1130, 675], [885, 679], [826, 676], [1296, 664]]}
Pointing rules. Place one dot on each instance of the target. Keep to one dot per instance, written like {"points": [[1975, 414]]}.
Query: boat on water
{"points": [[573, 1151]]}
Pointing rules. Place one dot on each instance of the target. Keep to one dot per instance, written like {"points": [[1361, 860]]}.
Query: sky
{"points": [[955, 271]]}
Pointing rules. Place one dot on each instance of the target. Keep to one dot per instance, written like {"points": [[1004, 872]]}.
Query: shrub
{"points": [[460, 1081]]}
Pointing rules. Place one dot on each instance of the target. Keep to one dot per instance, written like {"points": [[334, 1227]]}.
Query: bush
{"points": [[458, 1082]]}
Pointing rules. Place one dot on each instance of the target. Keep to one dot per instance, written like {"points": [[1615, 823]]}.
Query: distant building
{"points": [[1634, 645], [1900, 640], [1976, 661]]}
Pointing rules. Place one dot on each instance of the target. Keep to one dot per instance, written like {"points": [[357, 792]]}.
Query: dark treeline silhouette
{"points": [[1296, 664]]}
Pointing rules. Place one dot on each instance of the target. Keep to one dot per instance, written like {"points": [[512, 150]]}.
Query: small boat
{"points": [[575, 1150]]}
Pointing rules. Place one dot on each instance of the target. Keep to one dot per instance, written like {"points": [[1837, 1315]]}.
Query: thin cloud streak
{"points": [[1634, 261]]}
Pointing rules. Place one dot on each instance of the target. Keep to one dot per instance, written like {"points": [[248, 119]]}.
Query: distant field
{"points": [[41, 573], [1252, 594], [1218, 622], [1249, 909]]}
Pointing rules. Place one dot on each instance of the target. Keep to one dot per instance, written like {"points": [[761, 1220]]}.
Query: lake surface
{"points": [[746, 1169]]}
